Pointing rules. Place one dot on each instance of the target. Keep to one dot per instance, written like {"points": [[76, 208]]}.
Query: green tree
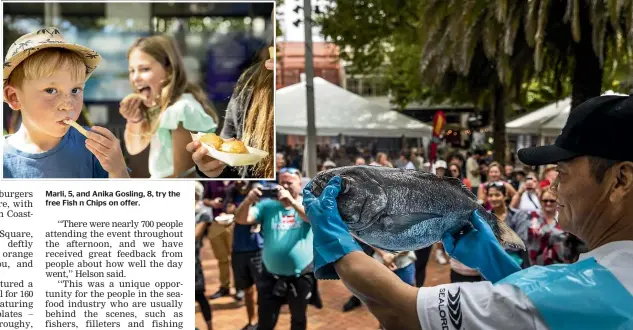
{"points": [[496, 52]]}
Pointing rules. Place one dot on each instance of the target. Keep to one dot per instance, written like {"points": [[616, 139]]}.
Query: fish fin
{"points": [[400, 223], [458, 183], [508, 238]]}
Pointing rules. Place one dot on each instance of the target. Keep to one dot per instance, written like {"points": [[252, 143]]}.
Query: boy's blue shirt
{"points": [[69, 159]]}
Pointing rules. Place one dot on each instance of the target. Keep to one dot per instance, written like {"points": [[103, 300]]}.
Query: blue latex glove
{"points": [[332, 240], [480, 250]]}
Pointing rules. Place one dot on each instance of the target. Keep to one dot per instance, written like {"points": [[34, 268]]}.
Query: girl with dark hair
{"points": [[496, 194], [494, 175]]}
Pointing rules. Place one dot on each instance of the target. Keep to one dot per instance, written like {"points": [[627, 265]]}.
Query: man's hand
{"points": [[243, 215], [107, 148], [332, 240], [285, 196], [253, 196], [217, 203], [480, 250], [389, 260]]}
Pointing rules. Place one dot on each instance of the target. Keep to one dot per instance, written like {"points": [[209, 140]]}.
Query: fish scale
{"points": [[405, 210]]}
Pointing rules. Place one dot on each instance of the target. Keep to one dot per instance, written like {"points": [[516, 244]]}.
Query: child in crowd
{"points": [[44, 77]]}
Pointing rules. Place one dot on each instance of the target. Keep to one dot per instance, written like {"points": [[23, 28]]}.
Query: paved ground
{"points": [[229, 315]]}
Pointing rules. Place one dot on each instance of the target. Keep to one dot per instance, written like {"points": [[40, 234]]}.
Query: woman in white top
{"points": [[173, 108]]}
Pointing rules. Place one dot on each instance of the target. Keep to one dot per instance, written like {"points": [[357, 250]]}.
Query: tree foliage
{"points": [[523, 40], [487, 51]]}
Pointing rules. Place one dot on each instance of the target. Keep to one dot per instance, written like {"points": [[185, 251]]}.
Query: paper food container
{"points": [[224, 219], [253, 156]]}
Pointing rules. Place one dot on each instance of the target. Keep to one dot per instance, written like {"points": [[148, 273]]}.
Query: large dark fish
{"points": [[405, 210]]}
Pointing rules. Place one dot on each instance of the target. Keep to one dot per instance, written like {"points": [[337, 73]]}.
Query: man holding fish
{"points": [[395, 210]]}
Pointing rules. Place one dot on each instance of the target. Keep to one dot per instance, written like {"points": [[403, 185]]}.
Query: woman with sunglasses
{"points": [[454, 171], [496, 195], [546, 239]]}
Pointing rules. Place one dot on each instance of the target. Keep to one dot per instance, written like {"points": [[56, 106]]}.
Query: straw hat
{"points": [[50, 37]]}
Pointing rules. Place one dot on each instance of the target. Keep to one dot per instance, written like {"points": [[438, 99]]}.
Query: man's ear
{"points": [[623, 175], [10, 94]]}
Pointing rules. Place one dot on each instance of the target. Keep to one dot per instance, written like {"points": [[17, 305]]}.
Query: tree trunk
{"points": [[499, 124], [587, 77]]}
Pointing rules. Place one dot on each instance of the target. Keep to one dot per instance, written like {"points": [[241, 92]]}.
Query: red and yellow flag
{"points": [[438, 125]]}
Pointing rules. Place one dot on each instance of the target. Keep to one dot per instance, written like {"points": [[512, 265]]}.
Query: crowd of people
{"points": [[269, 243]]}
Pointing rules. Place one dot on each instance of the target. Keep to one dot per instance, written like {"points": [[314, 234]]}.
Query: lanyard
{"points": [[531, 200]]}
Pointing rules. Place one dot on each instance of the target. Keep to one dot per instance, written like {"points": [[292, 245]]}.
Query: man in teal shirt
{"points": [[287, 254]]}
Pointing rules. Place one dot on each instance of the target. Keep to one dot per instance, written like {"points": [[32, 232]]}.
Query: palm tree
{"points": [[464, 47], [573, 38], [560, 38]]}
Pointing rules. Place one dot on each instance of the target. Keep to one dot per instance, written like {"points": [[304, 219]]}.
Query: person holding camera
{"points": [[287, 274], [526, 199]]}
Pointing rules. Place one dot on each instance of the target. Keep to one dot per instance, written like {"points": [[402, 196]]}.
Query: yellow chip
{"points": [[77, 127]]}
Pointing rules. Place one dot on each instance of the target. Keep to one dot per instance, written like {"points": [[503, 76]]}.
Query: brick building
{"points": [[291, 63]]}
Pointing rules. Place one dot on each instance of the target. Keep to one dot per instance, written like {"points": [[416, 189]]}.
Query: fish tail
{"points": [[507, 237]]}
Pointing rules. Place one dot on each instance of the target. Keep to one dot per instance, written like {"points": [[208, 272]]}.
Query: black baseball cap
{"points": [[599, 127]]}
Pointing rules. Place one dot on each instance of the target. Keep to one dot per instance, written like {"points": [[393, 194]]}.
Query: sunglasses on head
{"points": [[496, 184], [290, 170]]}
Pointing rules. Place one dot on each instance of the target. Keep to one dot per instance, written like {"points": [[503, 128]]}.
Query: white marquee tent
{"points": [[548, 120], [338, 111]]}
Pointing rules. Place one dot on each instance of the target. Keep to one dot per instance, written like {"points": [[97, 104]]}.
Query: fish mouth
{"points": [[359, 212], [322, 179], [320, 182]]}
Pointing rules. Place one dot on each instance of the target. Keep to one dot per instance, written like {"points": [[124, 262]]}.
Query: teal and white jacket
{"points": [[594, 293]]}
